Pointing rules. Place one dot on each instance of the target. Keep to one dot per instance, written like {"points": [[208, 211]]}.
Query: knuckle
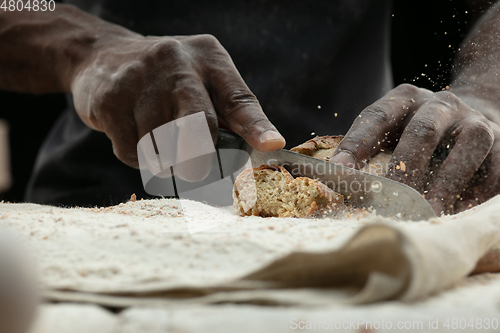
{"points": [[238, 98], [353, 143], [205, 40], [105, 98], [440, 105], [209, 53], [167, 46], [167, 50], [444, 104], [249, 127], [407, 89], [446, 95], [209, 40], [447, 98], [481, 126], [481, 130], [438, 109], [423, 127], [357, 144], [377, 113]]}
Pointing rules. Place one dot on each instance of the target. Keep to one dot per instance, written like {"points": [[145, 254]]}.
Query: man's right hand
{"points": [[125, 84], [132, 84]]}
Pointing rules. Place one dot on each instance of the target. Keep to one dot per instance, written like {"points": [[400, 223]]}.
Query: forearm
{"points": [[41, 51], [477, 79]]}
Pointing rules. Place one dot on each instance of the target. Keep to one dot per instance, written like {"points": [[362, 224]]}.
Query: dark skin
{"points": [[463, 121], [414, 122], [125, 85]]}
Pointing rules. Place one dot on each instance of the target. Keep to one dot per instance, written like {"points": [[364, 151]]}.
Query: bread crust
{"points": [[323, 147]]}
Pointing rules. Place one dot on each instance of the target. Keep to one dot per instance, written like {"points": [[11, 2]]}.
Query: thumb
{"points": [[240, 109], [249, 121]]}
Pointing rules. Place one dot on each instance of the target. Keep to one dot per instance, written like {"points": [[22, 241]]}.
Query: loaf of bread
{"points": [[271, 191]]}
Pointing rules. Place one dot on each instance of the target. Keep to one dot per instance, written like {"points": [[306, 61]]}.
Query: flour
{"points": [[147, 242], [146, 245]]}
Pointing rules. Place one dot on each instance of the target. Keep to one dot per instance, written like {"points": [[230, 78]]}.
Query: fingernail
{"points": [[344, 158], [271, 140], [270, 136]]}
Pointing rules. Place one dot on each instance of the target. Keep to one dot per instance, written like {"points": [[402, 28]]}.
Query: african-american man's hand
{"points": [[417, 124], [132, 84]]}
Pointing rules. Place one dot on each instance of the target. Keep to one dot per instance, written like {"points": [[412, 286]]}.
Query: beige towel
{"points": [[383, 260], [404, 262]]}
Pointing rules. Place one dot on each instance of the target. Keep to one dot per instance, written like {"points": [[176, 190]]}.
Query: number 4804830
{"points": [[29, 5]]}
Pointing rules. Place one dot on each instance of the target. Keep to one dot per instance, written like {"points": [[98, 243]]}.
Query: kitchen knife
{"points": [[376, 194]]}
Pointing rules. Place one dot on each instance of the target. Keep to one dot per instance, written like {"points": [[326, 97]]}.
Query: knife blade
{"points": [[380, 195]]}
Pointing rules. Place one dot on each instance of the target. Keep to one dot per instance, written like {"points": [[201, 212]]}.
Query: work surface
{"points": [[140, 259]]}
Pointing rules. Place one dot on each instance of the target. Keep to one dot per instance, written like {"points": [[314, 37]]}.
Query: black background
{"points": [[418, 39]]}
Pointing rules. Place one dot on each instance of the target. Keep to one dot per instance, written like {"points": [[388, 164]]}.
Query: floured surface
{"points": [[147, 244]]}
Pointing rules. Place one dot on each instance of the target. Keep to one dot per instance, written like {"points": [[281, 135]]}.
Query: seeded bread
{"points": [[271, 191]]}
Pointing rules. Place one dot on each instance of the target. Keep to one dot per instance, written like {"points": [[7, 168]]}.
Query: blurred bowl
{"points": [[18, 288]]}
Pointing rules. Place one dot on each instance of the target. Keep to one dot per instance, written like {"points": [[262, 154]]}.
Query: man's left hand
{"points": [[417, 123]]}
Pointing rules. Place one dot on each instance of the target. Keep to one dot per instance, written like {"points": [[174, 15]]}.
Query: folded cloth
{"points": [[137, 254], [398, 262]]}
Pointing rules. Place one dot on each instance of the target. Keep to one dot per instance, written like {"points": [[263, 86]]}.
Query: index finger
{"points": [[233, 100], [379, 125]]}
